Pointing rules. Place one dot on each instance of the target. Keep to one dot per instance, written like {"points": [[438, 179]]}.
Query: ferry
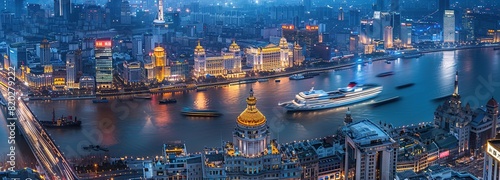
{"points": [[143, 96], [167, 101], [263, 80], [320, 99], [248, 81], [200, 112], [412, 53], [384, 74], [61, 122], [387, 62], [277, 80], [102, 100]]}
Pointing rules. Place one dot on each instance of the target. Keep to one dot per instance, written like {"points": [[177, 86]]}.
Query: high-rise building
{"points": [[125, 14], [45, 55], [380, 5], [289, 32], [62, 8], [103, 63], [354, 17], [137, 48], [468, 26], [388, 41], [370, 153], [341, 14], [406, 28], [199, 61], [132, 72], [149, 43], [380, 21], [396, 24], [160, 62], [449, 26], [19, 8], [297, 55], [159, 25]]}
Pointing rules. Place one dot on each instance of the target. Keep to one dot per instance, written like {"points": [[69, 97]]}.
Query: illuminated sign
{"points": [[493, 152], [103, 43], [376, 15], [444, 154]]}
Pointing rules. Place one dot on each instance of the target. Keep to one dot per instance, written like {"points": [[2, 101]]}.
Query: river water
{"points": [[140, 127]]}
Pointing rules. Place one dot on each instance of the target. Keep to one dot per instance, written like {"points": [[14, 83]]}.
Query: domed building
{"points": [[252, 154]]}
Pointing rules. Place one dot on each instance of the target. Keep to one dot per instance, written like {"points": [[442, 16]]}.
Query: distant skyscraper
{"points": [[45, 55], [125, 14], [370, 152], [103, 63], [19, 7], [449, 26], [388, 41], [159, 25], [354, 18], [341, 14], [396, 24], [380, 5], [307, 4], [62, 8], [468, 26], [406, 32]]}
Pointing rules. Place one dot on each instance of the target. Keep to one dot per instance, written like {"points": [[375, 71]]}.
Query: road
{"points": [[41, 144]]}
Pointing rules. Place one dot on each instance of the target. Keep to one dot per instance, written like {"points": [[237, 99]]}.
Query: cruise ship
{"points": [[319, 99]]}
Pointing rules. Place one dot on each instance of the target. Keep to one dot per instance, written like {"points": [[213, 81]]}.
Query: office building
{"points": [[491, 169], [449, 26], [103, 64], [132, 73], [370, 153], [406, 28], [388, 41], [45, 55], [62, 8], [341, 14]]}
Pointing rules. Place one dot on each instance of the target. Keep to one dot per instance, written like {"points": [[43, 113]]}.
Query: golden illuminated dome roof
{"points": [[158, 49], [199, 48], [234, 46], [251, 116]]}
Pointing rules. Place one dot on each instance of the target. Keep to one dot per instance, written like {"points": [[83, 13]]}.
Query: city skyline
{"points": [[254, 89]]}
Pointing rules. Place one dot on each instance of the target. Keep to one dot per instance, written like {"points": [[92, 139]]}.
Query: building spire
{"points": [[455, 92], [348, 118]]}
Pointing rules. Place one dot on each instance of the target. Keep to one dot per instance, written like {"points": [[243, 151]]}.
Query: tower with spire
{"points": [[284, 52], [452, 117], [492, 114], [159, 25], [200, 59]]}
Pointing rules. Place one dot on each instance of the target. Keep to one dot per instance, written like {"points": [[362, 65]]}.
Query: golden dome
{"points": [[251, 116], [199, 48], [158, 49]]}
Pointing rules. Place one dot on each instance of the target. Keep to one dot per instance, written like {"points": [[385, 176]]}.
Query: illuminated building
{"points": [[388, 41], [297, 56], [366, 31], [87, 83], [132, 72], [491, 169], [341, 14], [449, 26], [71, 75], [159, 26], [200, 59], [453, 118], [369, 49], [483, 125], [496, 37], [45, 55], [406, 32], [137, 48], [353, 43], [59, 76], [103, 64], [268, 58], [468, 25], [227, 64], [288, 32], [380, 21], [370, 153], [177, 71], [62, 8], [160, 61], [310, 36]]}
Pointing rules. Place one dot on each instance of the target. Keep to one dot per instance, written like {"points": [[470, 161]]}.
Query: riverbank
{"points": [[277, 75]]}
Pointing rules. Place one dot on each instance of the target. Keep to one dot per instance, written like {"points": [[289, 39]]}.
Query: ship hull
{"points": [[291, 107]]}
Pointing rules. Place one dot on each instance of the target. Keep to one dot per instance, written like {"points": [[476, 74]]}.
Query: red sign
{"points": [[103, 43]]}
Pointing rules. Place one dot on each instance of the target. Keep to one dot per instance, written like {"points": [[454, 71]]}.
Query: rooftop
{"points": [[366, 132]]}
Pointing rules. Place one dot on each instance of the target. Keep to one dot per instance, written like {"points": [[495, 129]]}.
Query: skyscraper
{"points": [[394, 5], [103, 63], [45, 55], [159, 25], [62, 8], [406, 27], [354, 17], [160, 61], [491, 169], [370, 152], [19, 7], [449, 26], [341, 14], [396, 24], [388, 41]]}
